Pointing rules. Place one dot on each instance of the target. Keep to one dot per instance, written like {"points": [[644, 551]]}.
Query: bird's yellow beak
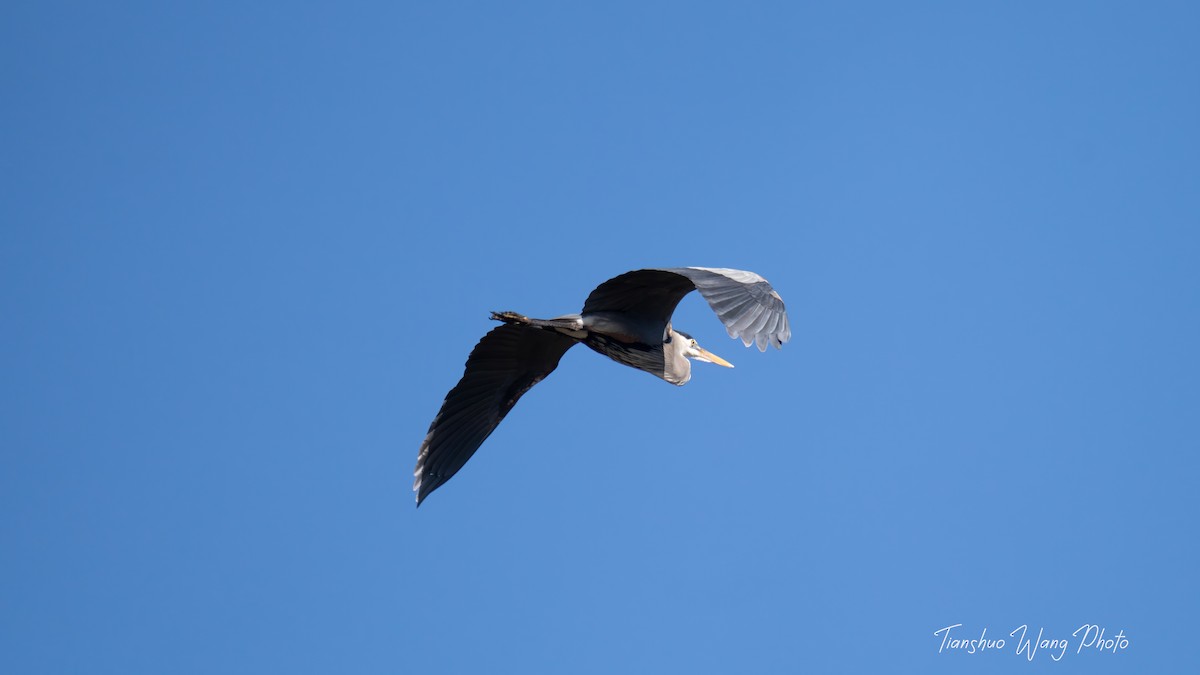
{"points": [[713, 358]]}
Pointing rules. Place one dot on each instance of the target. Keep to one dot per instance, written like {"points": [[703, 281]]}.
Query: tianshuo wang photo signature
{"points": [[1023, 641]]}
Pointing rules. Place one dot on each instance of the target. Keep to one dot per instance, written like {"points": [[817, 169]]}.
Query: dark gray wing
{"points": [[750, 309], [505, 364]]}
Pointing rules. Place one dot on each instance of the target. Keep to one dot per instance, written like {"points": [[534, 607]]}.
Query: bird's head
{"points": [[693, 350]]}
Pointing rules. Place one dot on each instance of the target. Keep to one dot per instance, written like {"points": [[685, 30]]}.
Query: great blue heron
{"points": [[627, 318]]}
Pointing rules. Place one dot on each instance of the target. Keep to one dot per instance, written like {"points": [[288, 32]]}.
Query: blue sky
{"points": [[246, 250]]}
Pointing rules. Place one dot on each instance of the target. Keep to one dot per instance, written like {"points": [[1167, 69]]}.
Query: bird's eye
{"points": [[694, 344]]}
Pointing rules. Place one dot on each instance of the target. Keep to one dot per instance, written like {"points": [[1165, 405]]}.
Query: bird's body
{"points": [[627, 318], [628, 343]]}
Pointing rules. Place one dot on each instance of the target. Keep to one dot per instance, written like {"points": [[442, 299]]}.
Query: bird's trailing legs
{"points": [[571, 324]]}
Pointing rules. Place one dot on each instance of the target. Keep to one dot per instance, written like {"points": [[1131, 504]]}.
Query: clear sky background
{"points": [[246, 248]]}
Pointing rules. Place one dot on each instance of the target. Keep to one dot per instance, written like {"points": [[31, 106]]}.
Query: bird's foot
{"points": [[510, 317]]}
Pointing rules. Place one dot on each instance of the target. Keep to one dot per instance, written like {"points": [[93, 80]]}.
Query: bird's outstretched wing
{"points": [[505, 364], [750, 309]]}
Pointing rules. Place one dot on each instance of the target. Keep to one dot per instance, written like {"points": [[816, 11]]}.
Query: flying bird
{"points": [[627, 319]]}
